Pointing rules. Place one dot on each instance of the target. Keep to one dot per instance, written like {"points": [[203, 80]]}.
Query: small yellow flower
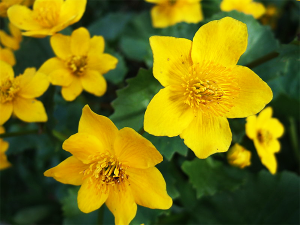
{"points": [[264, 131], [17, 95], [203, 86], [80, 64], [256, 9], [112, 166], [12, 42], [3, 148], [5, 4], [169, 12], [47, 17], [8, 56], [238, 156], [271, 16]]}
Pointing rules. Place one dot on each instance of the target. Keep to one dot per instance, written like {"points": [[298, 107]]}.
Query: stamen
{"points": [[77, 64], [264, 137], [47, 13], [8, 90]]}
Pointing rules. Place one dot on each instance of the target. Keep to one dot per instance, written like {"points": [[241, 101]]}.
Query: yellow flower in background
{"points": [[169, 12], [264, 131], [238, 156], [8, 56], [256, 9], [271, 16], [203, 86], [12, 42], [47, 17], [17, 94], [3, 148], [79, 65], [112, 166], [5, 4]]}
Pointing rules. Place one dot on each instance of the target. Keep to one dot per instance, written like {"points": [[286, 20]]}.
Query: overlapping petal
{"points": [[102, 62], [73, 90], [6, 71], [61, 45], [6, 110], [93, 82], [61, 77], [80, 41]]}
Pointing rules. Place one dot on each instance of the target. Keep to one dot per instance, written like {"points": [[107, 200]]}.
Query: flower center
{"points": [[106, 170], [210, 88], [172, 2], [264, 137], [77, 64], [46, 13], [8, 90]]}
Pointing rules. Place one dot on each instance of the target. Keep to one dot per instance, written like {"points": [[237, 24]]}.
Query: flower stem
{"points": [[262, 60], [13, 134], [293, 137]]}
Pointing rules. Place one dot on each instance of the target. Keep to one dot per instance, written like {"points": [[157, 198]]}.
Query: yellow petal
{"points": [[163, 15], [167, 114], [97, 45], [207, 135], [121, 203], [274, 127], [264, 116], [6, 110], [2, 130], [80, 41], [38, 33], [68, 171], [83, 145], [267, 158], [102, 63], [29, 110], [61, 77], [149, 188], [251, 127], [220, 41], [256, 9], [99, 126], [7, 56], [15, 32], [32, 85], [190, 12], [3, 158], [93, 82], [254, 93], [71, 92], [61, 45], [135, 151], [22, 17], [50, 65], [72, 11], [238, 156], [90, 197], [8, 41], [171, 59], [6, 71]]}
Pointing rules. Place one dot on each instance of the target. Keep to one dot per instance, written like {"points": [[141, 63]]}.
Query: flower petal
{"points": [[274, 127], [166, 114], [264, 116], [172, 59], [7, 56], [256, 9], [251, 127], [50, 65], [191, 12], [135, 151], [71, 92], [97, 45], [102, 63], [149, 188], [6, 110], [83, 145], [207, 135], [99, 126], [80, 41], [32, 84], [90, 197], [22, 17], [6, 71], [61, 45], [61, 77], [9, 41], [220, 41], [93, 82], [254, 93], [72, 11], [29, 110], [38, 33], [121, 203], [163, 16], [267, 158], [68, 171]]}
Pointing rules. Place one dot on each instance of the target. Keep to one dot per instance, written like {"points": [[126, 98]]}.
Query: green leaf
{"points": [[32, 214], [210, 176], [267, 199], [133, 100], [135, 48], [117, 75]]}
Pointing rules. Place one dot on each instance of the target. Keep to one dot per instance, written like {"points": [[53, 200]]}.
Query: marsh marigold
{"points": [[5, 4], [17, 94], [47, 17], [7, 56], [112, 166], [79, 65], [169, 12], [203, 86], [238, 156], [256, 9], [11, 41], [3, 148], [264, 131]]}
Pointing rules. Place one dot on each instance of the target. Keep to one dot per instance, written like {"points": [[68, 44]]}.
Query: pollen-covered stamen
{"points": [[77, 64], [47, 13], [264, 137], [8, 90]]}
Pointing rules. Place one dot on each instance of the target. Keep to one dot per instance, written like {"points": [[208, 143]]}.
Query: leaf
{"points": [[135, 48], [133, 100], [117, 75], [32, 214], [209, 176]]}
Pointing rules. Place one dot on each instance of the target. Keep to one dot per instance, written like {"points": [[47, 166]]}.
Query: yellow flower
{"points": [[47, 16], [80, 64], [5, 4], [112, 166], [271, 16], [3, 148], [256, 9], [8, 56], [13, 41], [169, 12], [17, 95], [238, 156], [264, 131], [203, 86]]}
